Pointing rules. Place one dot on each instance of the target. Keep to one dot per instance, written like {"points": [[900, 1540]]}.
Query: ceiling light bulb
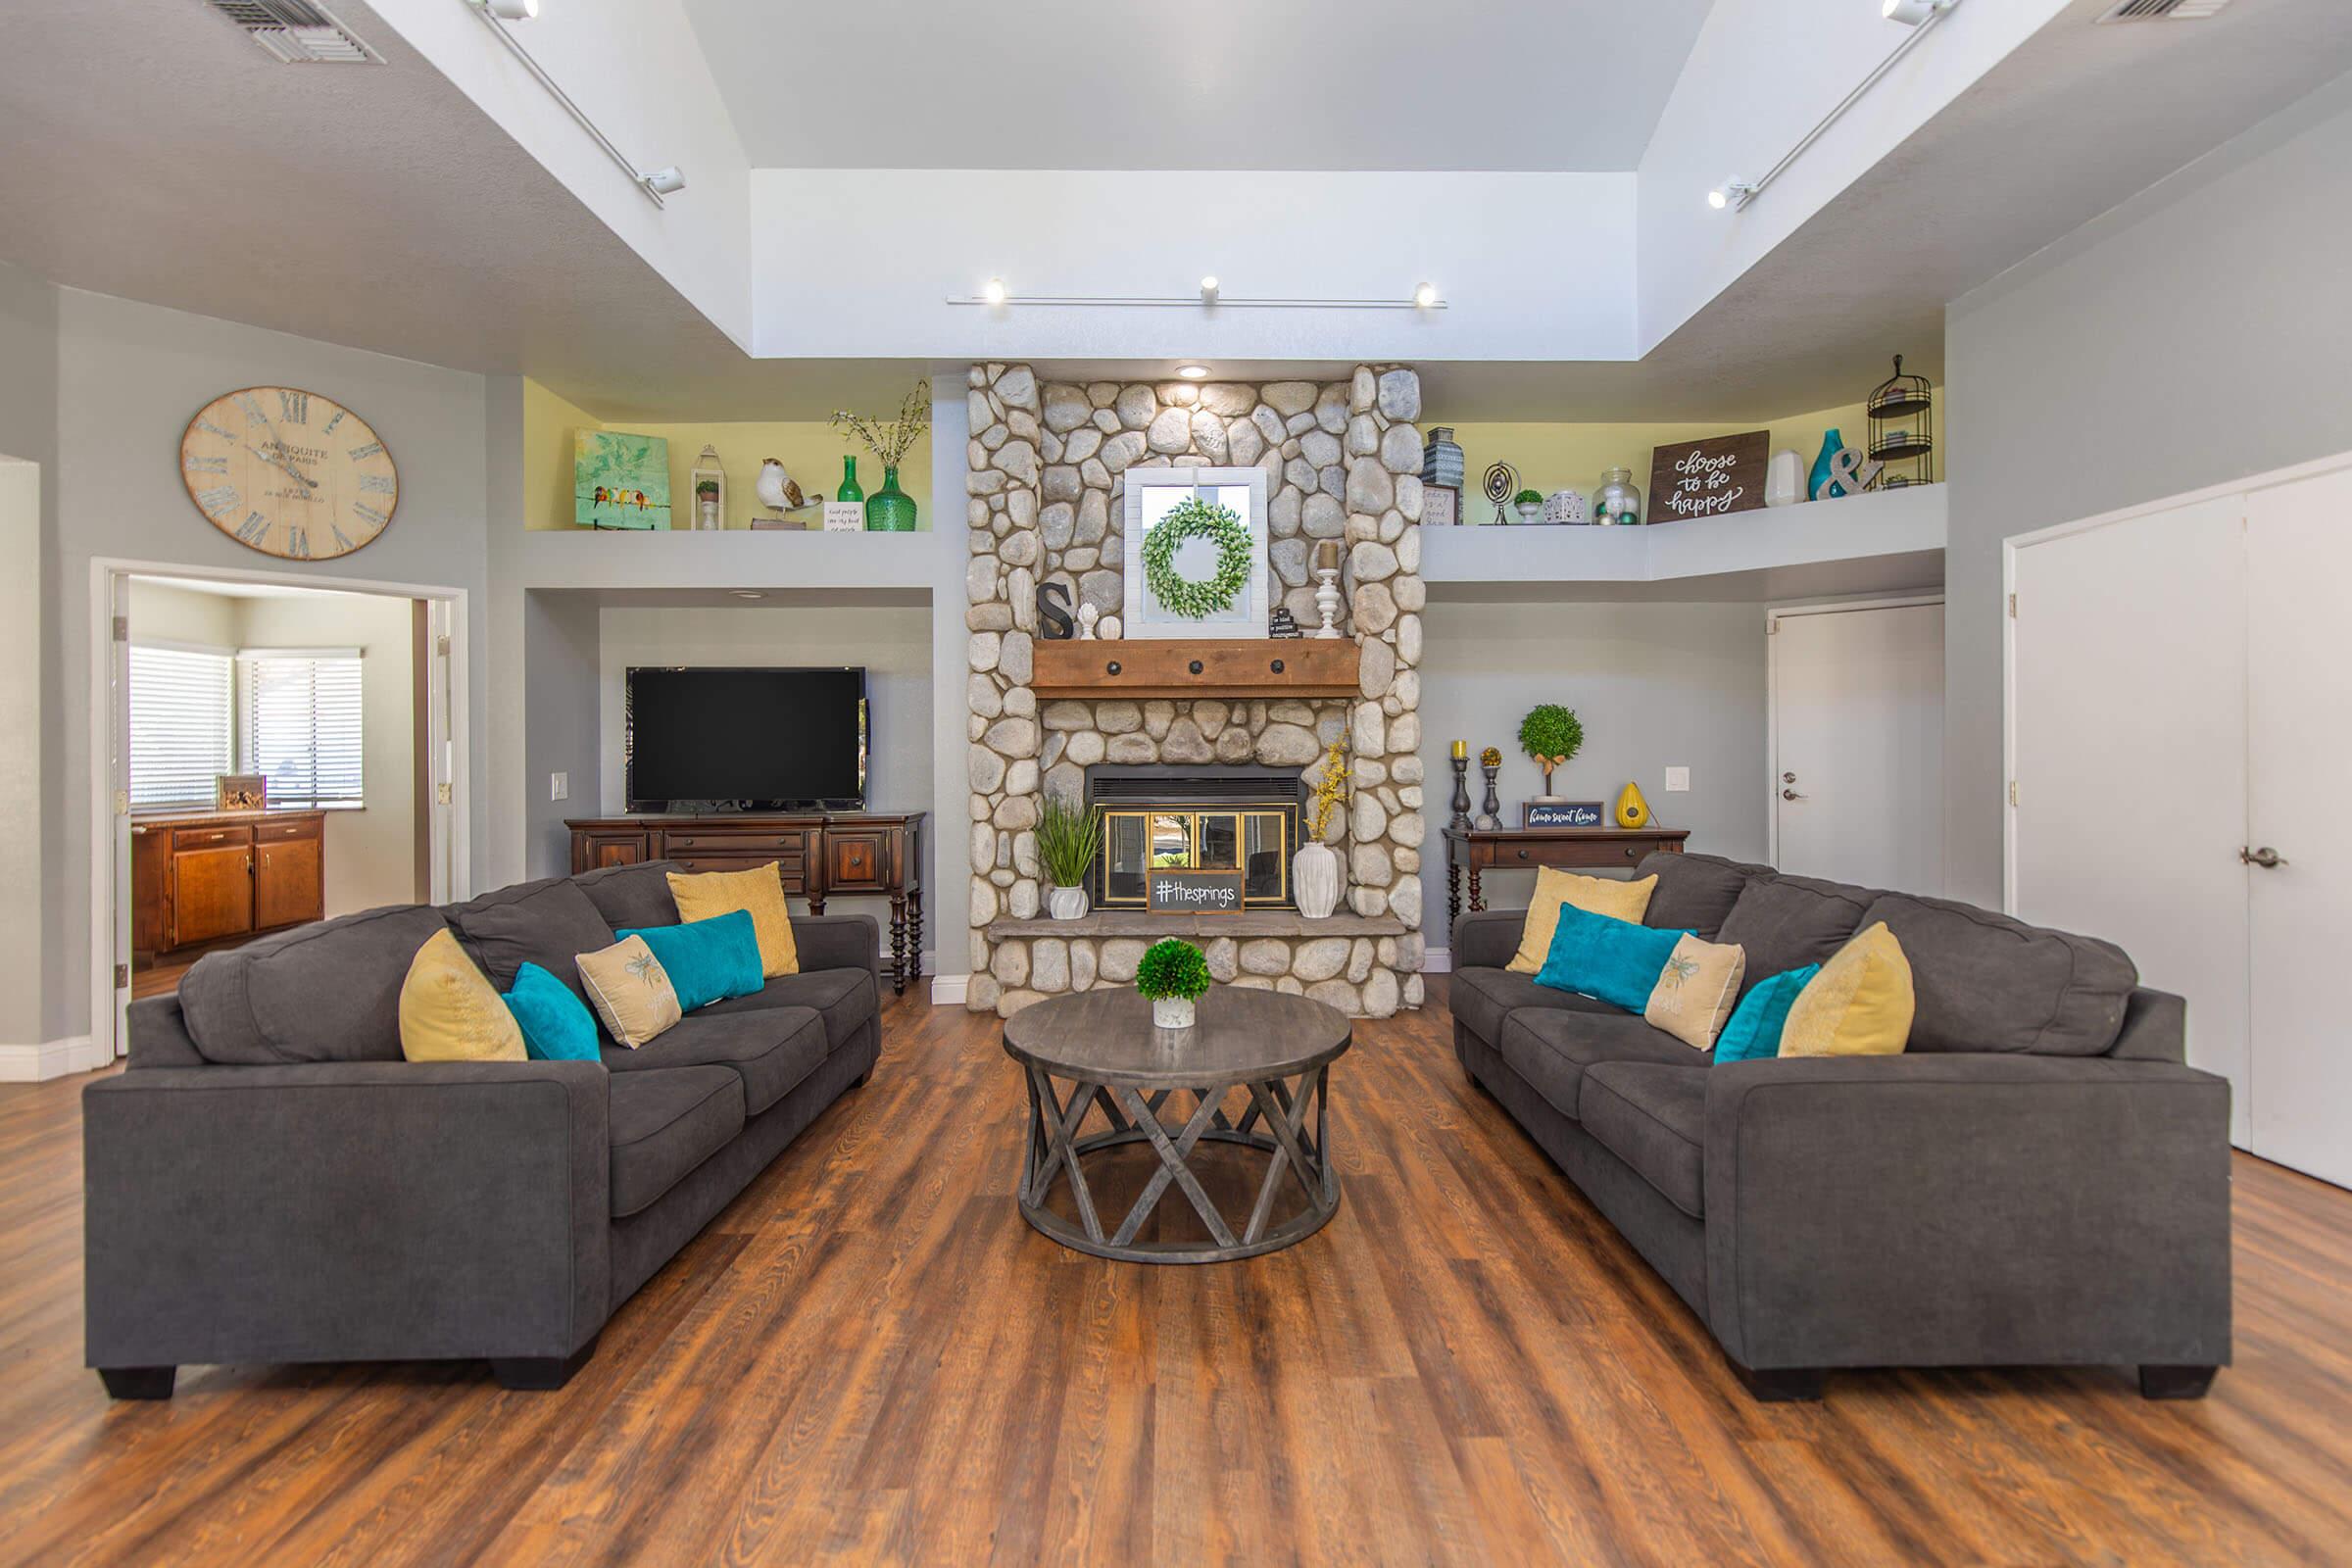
{"points": [[1209, 289], [994, 291], [665, 182], [1192, 372], [746, 593], [1731, 193], [1717, 199], [510, 9], [1425, 295], [1911, 13]]}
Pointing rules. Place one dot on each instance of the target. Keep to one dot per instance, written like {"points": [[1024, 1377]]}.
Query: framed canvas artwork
{"points": [[620, 480]]}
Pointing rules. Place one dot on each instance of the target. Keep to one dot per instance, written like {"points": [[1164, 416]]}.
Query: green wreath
{"points": [[1196, 518]]}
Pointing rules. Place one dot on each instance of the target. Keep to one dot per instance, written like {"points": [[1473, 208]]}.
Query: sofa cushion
{"points": [[1694, 892], [1552, 1049], [772, 1052], [1786, 922], [844, 998], [1985, 982], [1483, 997], [449, 1013], [664, 1124], [1655, 1119], [328, 992], [636, 895], [549, 923]]}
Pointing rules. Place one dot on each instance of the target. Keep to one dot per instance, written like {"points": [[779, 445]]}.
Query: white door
{"points": [[1857, 743], [2299, 756], [2127, 712]]}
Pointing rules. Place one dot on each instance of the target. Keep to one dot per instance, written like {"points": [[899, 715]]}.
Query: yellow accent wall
{"points": [[1572, 457], [810, 451]]}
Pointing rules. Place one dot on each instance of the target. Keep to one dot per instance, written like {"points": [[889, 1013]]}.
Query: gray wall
{"points": [[1657, 685], [2195, 335], [129, 376], [29, 821]]}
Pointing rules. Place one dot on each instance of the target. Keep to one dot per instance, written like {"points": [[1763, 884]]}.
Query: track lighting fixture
{"points": [[1911, 13], [1733, 193], [1209, 289], [510, 9]]}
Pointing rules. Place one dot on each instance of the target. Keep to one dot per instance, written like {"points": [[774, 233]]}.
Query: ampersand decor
{"points": [[1849, 475], [1196, 518]]}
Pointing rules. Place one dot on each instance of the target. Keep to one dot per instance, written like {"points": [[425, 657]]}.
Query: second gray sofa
{"points": [[2039, 1179], [270, 1181]]}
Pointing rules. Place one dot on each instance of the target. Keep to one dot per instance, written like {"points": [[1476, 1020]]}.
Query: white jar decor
{"points": [[1316, 880], [1172, 1013]]}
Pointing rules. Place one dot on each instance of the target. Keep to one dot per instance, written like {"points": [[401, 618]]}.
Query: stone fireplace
{"points": [[1046, 468]]}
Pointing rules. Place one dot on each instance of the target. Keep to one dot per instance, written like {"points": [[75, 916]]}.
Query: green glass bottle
{"points": [[889, 509], [849, 490]]}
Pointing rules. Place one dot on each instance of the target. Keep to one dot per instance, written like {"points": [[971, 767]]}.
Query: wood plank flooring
{"points": [[870, 1357]]}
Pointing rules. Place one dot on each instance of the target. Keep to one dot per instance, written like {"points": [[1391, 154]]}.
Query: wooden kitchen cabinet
{"points": [[202, 878]]}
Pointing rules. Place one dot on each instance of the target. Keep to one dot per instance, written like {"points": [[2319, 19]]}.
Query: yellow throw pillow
{"points": [[630, 991], [1596, 895], [759, 893], [1860, 1005], [450, 1011], [1696, 991]]}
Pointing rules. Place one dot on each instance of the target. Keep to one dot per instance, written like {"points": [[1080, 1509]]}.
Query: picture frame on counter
{"points": [[1441, 505], [845, 516]]}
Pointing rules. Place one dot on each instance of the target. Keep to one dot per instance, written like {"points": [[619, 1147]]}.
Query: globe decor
{"points": [[1198, 518]]}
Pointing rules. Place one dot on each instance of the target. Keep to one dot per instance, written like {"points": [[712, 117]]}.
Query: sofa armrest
{"points": [[1487, 940], [838, 942], [1967, 1210], [345, 1211]]}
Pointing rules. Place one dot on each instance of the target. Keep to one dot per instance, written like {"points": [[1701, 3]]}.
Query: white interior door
{"points": [[2299, 752], [1857, 743], [2127, 703]]}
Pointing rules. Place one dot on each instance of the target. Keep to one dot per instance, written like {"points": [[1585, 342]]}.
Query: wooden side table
{"points": [[1523, 849]]}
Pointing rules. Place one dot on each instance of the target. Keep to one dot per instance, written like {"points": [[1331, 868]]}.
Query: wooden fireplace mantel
{"points": [[1269, 667]]}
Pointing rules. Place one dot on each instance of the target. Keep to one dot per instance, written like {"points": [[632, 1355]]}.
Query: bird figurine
{"points": [[775, 488]]}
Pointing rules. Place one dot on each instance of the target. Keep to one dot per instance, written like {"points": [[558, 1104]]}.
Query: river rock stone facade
{"points": [[1046, 500]]}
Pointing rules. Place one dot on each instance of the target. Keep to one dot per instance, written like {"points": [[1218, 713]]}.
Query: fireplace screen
{"points": [[1237, 819]]}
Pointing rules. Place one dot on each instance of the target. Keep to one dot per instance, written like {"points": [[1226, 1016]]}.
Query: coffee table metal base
{"points": [[1287, 1120]]}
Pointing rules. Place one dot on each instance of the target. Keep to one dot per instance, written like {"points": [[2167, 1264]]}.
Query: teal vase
{"points": [[889, 509], [1831, 443]]}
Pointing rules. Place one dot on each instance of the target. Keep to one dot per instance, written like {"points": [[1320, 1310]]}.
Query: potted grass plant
{"points": [[1068, 838], [1174, 975]]}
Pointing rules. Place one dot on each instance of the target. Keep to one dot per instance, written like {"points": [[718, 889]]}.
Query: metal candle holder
{"points": [[1491, 818], [1461, 794]]}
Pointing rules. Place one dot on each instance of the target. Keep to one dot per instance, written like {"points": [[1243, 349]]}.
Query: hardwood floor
{"points": [[870, 1357]]}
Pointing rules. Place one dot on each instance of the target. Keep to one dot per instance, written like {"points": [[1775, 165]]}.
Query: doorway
{"points": [[277, 750], [1855, 742]]}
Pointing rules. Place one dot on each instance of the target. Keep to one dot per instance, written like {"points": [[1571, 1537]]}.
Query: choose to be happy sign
{"points": [[1708, 479]]}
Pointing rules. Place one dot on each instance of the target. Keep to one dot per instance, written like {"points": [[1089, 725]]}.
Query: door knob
{"points": [[2268, 859], [1790, 795], [1787, 778]]}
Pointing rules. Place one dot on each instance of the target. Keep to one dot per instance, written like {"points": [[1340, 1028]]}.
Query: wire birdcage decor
{"points": [[1902, 429]]}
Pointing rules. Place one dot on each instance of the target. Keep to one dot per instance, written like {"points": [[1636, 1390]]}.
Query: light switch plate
{"points": [[1677, 780], [559, 786]]}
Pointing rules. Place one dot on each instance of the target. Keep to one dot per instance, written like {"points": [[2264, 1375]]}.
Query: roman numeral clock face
{"points": [[288, 472]]}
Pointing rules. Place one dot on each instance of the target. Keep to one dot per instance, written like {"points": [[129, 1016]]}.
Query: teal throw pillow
{"points": [[1616, 961], [1754, 1032], [707, 960], [556, 1024]]}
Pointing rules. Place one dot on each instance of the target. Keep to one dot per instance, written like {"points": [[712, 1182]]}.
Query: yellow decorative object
{"points": [[759, 893], [1328, 791], [1860, 1005], [1594, 895], [1697, 989], [630, 991], [1632, 809], [450, 1011]]}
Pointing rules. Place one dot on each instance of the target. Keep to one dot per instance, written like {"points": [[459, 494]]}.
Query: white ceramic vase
{"points": [[1172, 1012], [1316, 880], [1066, 904]]}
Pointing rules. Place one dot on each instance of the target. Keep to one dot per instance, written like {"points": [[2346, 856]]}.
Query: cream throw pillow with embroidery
{"points": [[1696, 991], [1594, 895], [630, 991]]}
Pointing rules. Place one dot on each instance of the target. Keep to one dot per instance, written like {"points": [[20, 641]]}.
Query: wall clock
{"points": [[288, 472]]}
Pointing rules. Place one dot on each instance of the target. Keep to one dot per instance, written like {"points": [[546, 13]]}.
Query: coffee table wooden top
{"points": [[1243, 1035]]}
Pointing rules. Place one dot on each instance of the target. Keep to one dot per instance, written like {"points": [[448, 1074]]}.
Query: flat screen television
{"points": [[745, 740]]}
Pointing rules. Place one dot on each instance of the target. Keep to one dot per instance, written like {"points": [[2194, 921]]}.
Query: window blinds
{"points": [[181, 732], [302, 725]]}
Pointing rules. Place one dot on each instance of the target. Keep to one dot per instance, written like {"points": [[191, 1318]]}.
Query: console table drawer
{"points": [[735, 841], [788, 870], [305, 827], [858, 861], [208, 838]]}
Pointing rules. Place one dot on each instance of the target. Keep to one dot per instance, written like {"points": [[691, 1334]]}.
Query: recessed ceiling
{"points": [[1308, 85]]}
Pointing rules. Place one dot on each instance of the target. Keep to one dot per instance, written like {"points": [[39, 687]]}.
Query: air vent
{"points": [[296, 32], [2161, 10]]}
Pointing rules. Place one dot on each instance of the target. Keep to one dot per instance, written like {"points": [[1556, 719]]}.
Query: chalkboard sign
{"points": [[1708, 479], [1563, 814], [1186, 892]]}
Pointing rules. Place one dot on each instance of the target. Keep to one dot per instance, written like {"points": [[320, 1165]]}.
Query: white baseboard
{"points": [[1436, 961], [52, 1059], [948, 990]]}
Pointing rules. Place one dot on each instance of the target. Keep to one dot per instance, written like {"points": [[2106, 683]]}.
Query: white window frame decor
{"points": [[1146, 616]]}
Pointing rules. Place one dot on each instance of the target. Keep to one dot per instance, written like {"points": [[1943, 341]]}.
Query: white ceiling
{"points": [[1308, 84]]}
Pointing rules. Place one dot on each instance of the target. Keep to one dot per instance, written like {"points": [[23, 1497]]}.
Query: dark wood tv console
{"points": [[817, 854]]}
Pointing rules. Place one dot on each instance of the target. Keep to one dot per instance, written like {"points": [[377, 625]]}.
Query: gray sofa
{"points": [[2038, 1179], [270, 1181]]}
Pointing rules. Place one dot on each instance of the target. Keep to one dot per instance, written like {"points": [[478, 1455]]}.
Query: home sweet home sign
{"points": [[1708, 479]]}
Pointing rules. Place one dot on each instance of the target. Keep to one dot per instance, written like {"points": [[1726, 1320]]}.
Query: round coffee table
{"points": [[1103, 1044]]}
